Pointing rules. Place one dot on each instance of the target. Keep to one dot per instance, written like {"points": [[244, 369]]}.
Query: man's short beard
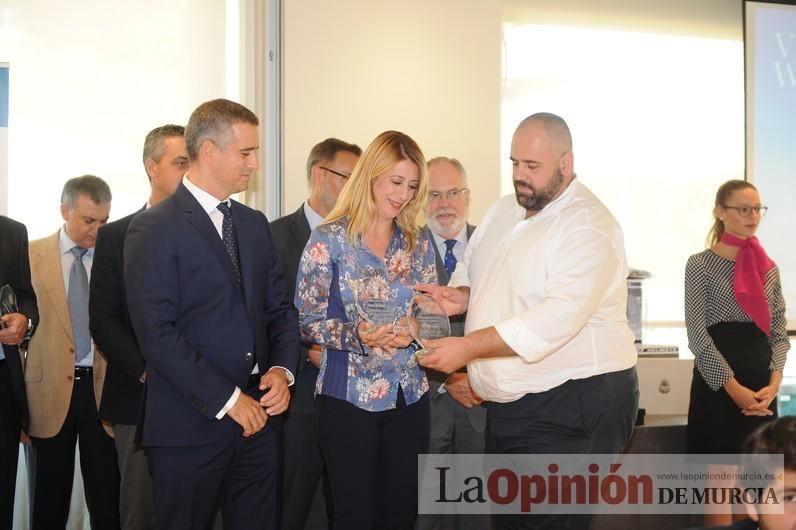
{"points": [[437, 228], [540, 198], [327, 199]]}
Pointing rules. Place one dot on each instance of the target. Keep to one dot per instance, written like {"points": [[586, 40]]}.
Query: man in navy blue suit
{"points": [[217, 327]]}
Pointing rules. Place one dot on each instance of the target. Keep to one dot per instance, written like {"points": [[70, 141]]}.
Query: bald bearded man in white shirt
{"points": [[547, 343]]}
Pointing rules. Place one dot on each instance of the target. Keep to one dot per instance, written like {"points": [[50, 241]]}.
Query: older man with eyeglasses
{"points": [[457, 417]]}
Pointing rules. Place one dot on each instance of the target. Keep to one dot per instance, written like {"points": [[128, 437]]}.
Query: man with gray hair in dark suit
{"points": [[458, 419]]}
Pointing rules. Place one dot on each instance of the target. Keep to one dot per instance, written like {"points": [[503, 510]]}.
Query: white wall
{"points": [[89, 79], [354, 68], [655, 99]]}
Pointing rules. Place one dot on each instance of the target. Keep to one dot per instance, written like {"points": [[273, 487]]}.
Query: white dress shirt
{"points": [[209, 204], [553, 286], [65, 246]]}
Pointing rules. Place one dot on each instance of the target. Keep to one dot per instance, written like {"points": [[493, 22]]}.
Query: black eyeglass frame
{"points": [[761, 210], [343, 175]]}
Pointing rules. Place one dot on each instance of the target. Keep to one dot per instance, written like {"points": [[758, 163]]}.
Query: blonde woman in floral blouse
{"points": [[373, 412]]}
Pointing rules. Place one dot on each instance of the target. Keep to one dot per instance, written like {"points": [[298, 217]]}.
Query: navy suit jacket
{"points": [[199, 330]]}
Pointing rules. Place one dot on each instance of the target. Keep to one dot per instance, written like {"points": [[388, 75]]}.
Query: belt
{"points": [[83, 371]]}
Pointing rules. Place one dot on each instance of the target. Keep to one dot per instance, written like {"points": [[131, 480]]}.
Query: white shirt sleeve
{"points": [[290, 378], [229, 404]]}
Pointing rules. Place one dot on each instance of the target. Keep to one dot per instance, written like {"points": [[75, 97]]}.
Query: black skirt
{"points": [[715, 423]]}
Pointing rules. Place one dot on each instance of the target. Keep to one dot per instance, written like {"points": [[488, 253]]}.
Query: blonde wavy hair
{"points": [[356, 198]]}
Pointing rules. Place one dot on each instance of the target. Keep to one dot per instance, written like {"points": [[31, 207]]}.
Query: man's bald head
{"points": [[555, 127], [542, 160]]}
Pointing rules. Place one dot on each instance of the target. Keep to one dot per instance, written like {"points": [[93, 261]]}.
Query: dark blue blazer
{"points": [[199, 330]]}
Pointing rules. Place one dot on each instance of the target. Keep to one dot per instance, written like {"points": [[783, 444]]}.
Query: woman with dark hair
{"points": [[735, 317], [373, 411]]}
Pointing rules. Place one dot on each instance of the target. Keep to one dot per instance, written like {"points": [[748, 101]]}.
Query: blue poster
{"points": [[771, 130], [3, 97]]}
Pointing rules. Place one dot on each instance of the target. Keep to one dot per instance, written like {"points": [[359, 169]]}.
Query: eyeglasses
{"points": [[451, 195], [746, 211], [335, 172]]}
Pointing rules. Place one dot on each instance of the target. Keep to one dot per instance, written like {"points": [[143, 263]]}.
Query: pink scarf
{"points": [[751, 266]]}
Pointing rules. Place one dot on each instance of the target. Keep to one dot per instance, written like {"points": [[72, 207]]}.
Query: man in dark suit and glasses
{"points": [[165, 161], [457, 418], [218, 330], [329, 165], [15, 329]]}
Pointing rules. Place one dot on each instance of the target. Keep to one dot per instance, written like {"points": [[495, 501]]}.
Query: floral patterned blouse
{"points": [[333, 276]]}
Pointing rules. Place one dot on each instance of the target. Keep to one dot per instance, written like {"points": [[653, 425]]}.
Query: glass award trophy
{"points": [[8, 302], [375, 304], [429, 321]]}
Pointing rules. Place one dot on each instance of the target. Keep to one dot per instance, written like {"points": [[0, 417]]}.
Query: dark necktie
{"points": [[450, 259], [77, 299], [229, 237]]}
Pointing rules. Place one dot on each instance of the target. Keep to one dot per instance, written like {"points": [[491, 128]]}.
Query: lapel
{"points": [[198, 218], [300, 228], [246, 251], [52, 280], [442, 274]]}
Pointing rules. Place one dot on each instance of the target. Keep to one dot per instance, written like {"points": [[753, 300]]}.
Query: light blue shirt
{"points": [[65, 245], [313, 217], [458, 248]]}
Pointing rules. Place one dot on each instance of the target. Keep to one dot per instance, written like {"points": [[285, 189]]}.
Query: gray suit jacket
{"points": [[476, 415]]}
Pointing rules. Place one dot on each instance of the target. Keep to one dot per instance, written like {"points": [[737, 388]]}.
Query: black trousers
{"points": [[371, 458], [52, 466], [585, 416], [9, 450]]}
